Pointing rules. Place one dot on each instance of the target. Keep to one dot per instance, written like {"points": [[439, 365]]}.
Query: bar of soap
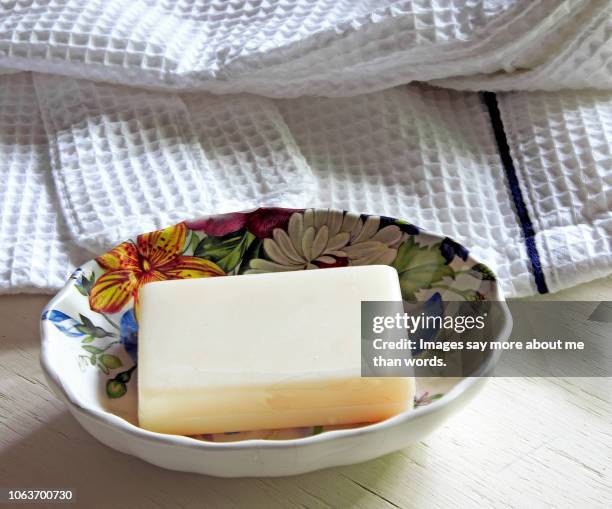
{"points": [[262, 351]]}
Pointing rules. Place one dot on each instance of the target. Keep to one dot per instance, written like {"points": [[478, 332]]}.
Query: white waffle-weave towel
{"points": [[127, 160], [87, 161], [286, 48], [36, 252], [111, 162]]}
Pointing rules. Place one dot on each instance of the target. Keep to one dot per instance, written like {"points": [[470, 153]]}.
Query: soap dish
{"points": [[89, 333]]}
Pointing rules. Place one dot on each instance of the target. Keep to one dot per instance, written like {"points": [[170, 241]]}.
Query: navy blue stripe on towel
{"points": [[490, 100]]}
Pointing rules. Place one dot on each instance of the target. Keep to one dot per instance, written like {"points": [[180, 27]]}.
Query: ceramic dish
{"points": [[89, 332]]}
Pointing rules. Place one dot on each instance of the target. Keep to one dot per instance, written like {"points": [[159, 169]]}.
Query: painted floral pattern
{"points": [[324, 238], [96, 344], [261, 240], [155, 256]]}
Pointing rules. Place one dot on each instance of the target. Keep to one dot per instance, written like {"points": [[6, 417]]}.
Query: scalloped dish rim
{"points": [[107, 418]]}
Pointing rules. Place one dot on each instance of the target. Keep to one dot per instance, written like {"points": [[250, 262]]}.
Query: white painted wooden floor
{"points": [[524, 442]]}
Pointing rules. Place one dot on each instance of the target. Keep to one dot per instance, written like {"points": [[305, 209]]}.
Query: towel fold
{"points": [[37, 252], [126, 160], [313, 47]]}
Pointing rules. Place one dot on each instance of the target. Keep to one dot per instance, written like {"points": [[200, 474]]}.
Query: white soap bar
{"points": [[262, 351]]}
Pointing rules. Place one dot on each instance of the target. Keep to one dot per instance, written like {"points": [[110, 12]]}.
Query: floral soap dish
{"points": [[90, 332]]}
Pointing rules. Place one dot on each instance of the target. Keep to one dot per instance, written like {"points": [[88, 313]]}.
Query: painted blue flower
{"points": [[63, 322], [128, 332], [408, 228], [449, 249], [405, 227]]}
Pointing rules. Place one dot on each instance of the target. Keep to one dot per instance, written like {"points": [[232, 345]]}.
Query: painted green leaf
{"points": [[193, 242], [419, 267], [84, 285], [84, 329], [86, 321], [88, 328], [103, 368], [88, 283], [110, 361], [225, 251], [87, 339], [252, 251], [115, 389], [92, 349], [125, 376], [483, 272], [217, 248], [99, 332]]}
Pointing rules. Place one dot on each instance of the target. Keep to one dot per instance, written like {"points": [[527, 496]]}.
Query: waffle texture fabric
{"points": [[430, 156], [85, 165], [288, 48], [118, 118], [126, 160], [36, 251]]}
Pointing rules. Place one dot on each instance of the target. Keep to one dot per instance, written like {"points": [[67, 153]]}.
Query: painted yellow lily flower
{"points": [[155, 256]]}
